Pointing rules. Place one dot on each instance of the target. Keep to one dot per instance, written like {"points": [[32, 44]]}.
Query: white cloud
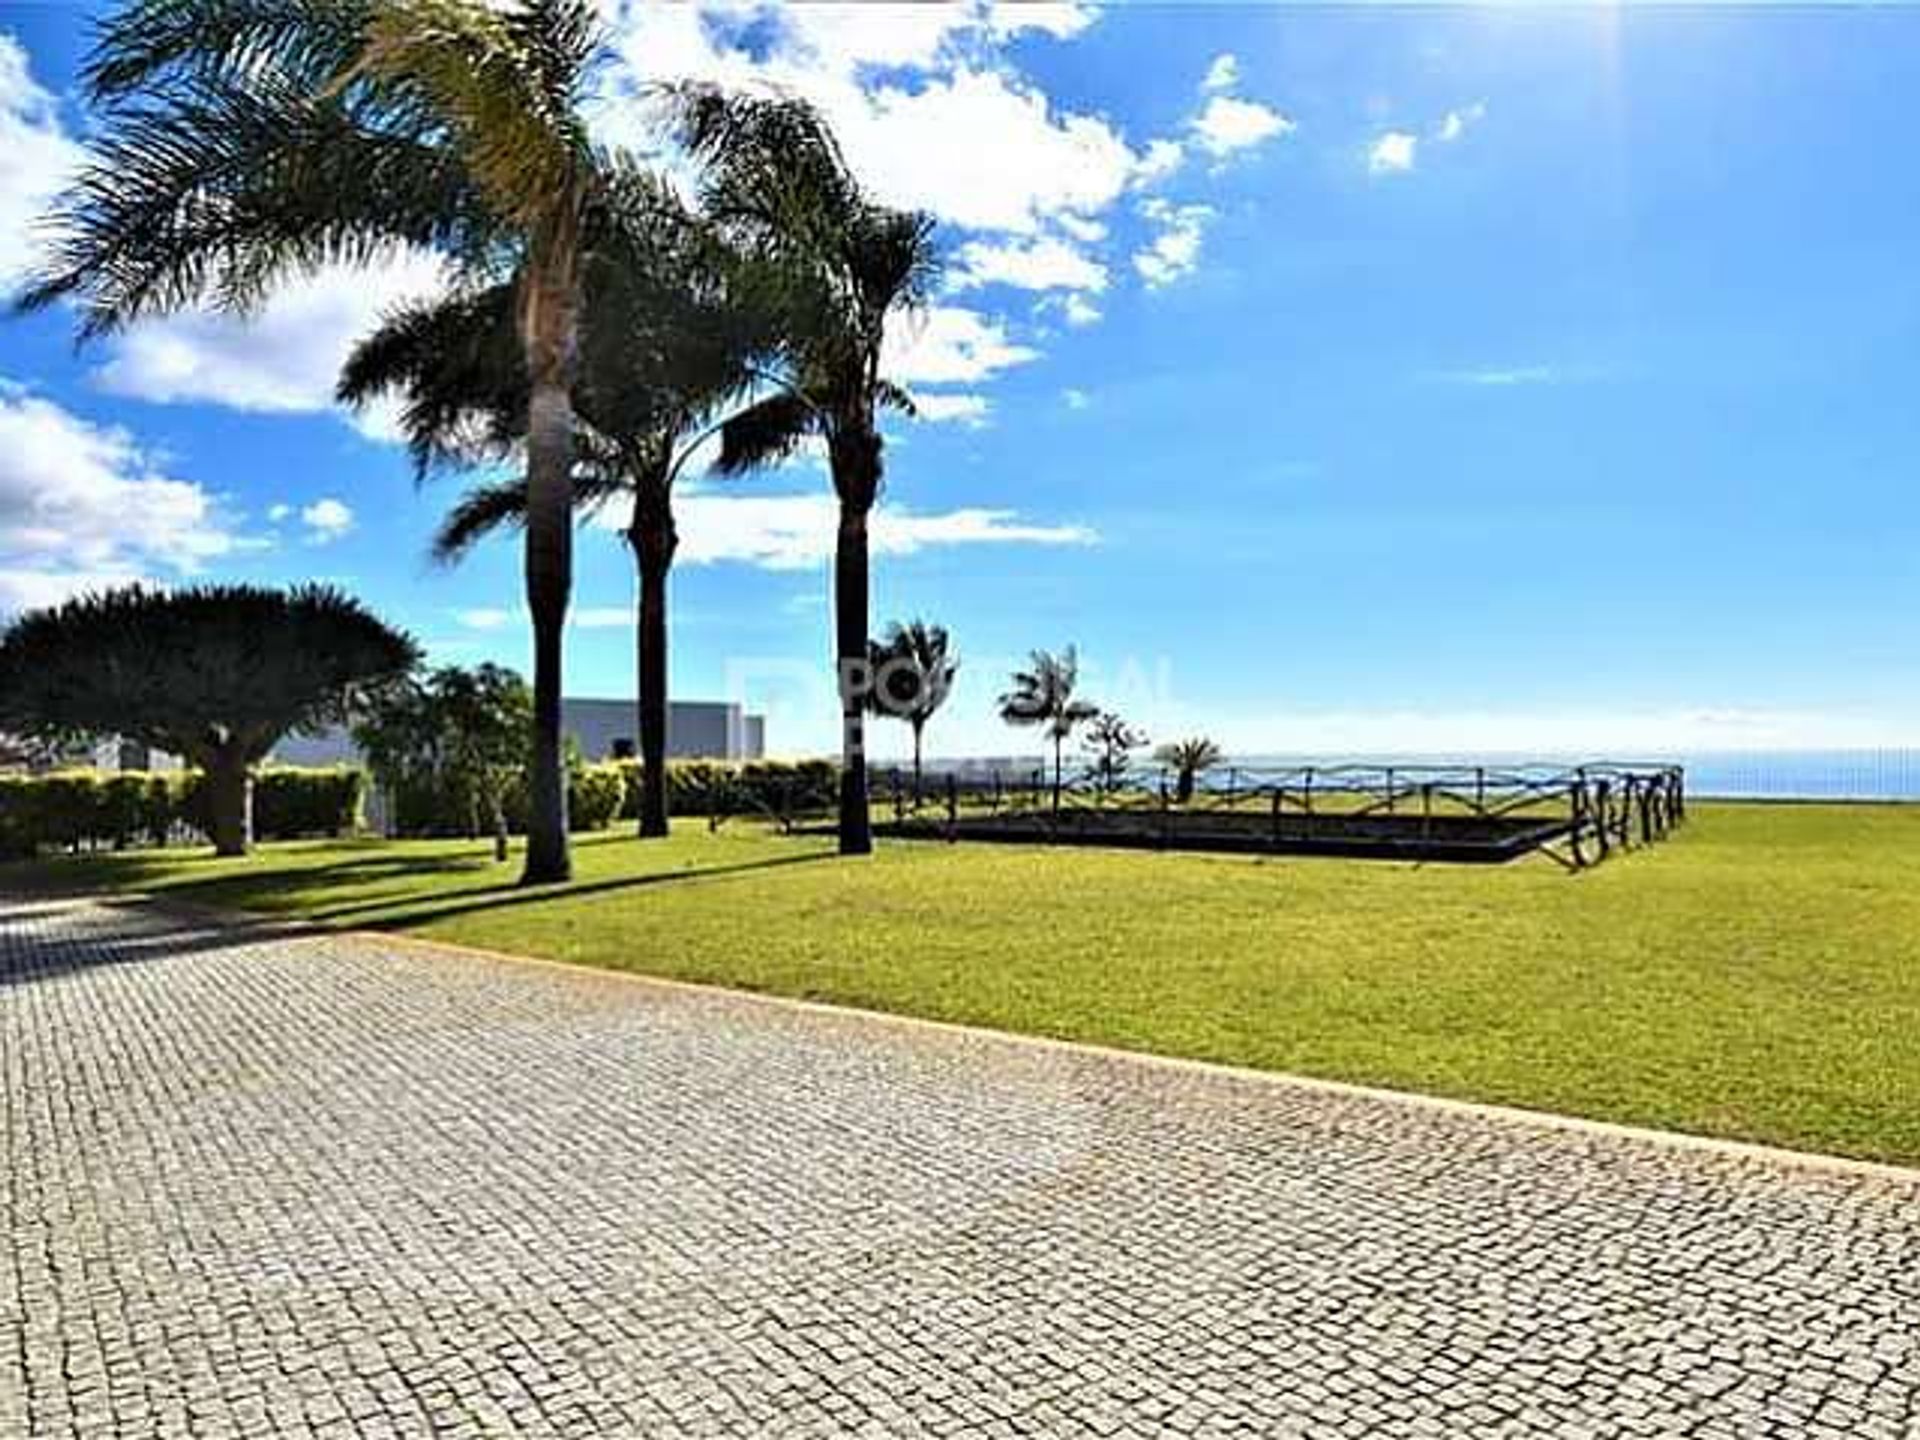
{"points": [[83, 505], [1049, 263], [1392, 153], [1454, 124], [1079, 311], [1175, 251], [1062, 21], [581, 617], [1226, 124], [286, 359], [36, 160], [969, 410], [1160, 159], [969, 138], [1222, 74], [327, 520], [277, 513], [39, 589], [1501, 375], [949, 344], [794, 532], [1087, 232], [1076, 399]]}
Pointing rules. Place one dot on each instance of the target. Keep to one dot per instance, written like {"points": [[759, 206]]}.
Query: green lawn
{"points": [[1757, 977]]}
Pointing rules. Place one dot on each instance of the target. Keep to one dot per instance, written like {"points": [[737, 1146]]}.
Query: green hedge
{"points": [[288, 803], [732, 787], [93, 809], [102, 809], [426, 805]]}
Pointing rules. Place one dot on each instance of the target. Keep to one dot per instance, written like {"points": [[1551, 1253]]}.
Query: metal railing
{"points": [[1577, 814]]}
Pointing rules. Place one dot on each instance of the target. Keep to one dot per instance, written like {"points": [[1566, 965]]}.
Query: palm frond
{"points": [[764, 433], [212, 188], [481, 512], [502, 505], [505, 84]]}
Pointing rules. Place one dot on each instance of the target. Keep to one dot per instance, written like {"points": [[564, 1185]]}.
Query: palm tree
{"points": [[665, 340], [1043, 695], [1187, 759], [243, 141], [912, 675], [840, 265]]}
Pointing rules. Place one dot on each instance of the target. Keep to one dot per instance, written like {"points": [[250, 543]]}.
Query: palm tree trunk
{"points": [[229, 782], [850, 629], [916, 759], [548, 326], [1057, 742], [653, 540]]}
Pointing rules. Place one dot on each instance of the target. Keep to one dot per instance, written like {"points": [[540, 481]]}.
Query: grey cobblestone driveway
{"points": [[272, 1186]]}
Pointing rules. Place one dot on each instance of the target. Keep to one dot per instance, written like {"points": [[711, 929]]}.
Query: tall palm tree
{"points": [[666, 341], [1042, 694], [841, 265], [244, 141], [913, 670]]}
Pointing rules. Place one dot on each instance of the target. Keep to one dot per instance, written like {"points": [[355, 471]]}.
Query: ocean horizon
{"points": [[1785, 774]]}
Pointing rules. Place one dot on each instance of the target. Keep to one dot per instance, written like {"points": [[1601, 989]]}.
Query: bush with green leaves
{"points": [[290, 803], [594, 795], [732, 787], [92, 809]]}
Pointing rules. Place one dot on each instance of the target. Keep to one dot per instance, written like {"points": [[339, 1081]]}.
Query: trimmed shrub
{"points": [[594, 795], [731, 787], [428, 804], [289, 803], [76, 809]]}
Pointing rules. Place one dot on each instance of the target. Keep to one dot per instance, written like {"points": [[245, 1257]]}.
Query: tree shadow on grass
{"points": [[153, 931], [382, 915]]}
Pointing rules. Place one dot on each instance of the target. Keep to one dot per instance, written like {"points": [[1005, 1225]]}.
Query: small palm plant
{"points": [[913, 671], [1188, 759], [1110, 744], [1043, 695]]}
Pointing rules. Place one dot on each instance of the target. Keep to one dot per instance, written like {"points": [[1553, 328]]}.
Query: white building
{"points": [[603, 729]]}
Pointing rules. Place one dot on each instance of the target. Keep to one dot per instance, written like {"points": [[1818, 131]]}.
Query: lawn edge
{"points": [[1755, 1152]]}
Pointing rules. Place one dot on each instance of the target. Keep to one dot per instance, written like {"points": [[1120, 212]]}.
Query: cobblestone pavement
{"points": [[262, 1185]]}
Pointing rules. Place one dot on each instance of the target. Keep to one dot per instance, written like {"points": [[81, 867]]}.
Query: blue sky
{"points": [[1336, 379]]}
